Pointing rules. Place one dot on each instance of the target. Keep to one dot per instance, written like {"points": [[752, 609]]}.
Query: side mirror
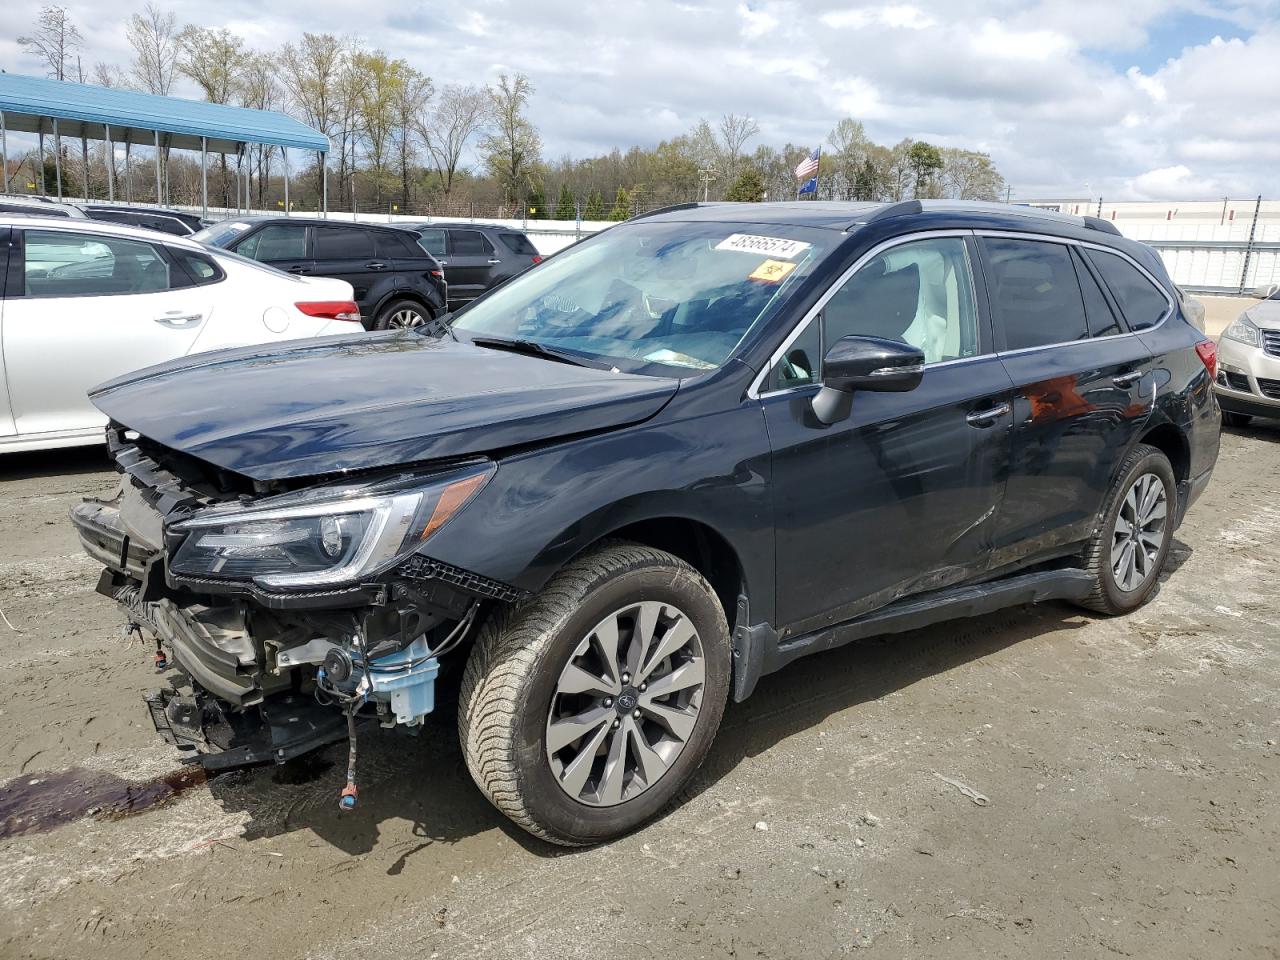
{"points": [[865, 363]]}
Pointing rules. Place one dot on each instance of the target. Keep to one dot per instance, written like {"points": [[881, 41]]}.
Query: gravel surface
{"points": [[1130, 766]]}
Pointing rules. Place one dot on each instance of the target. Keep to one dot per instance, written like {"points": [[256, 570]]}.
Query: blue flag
{"points": [[810, 186]]}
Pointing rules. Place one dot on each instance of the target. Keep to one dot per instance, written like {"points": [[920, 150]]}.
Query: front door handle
{"points": [[299, 268], [177, 319], [1127, 379], [375, 265], [987, 416], [494, 261]]}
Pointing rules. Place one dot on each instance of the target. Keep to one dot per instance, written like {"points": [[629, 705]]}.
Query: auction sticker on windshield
{"points": [[771, 246], [772, 271]]}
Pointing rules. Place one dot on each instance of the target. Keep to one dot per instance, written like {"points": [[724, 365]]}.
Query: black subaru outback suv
{"points": [[623, 487]]}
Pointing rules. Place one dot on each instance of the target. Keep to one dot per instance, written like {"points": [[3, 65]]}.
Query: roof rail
{"points": [[903, 208], [1102, 226], [668, 209]]}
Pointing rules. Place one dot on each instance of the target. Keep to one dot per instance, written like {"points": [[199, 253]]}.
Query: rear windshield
{"points": [[661, 298], [518, 243], [220, 234]]}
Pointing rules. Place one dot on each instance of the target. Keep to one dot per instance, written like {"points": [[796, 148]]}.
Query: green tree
{"points": [[595, 206], [748, 188], [536, 205], [621, 205], [866, 182], [925, 161], [565, 209]]}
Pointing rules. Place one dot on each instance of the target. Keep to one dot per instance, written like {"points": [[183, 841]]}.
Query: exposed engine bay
{"points": [[284, 619]]}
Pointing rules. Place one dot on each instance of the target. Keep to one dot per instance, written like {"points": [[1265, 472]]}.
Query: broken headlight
{"points": [[325, 535]]}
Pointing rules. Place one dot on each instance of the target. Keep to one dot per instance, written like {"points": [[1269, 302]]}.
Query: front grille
{"points": [[1269, 388], [1271, 342], [1236, 381]]}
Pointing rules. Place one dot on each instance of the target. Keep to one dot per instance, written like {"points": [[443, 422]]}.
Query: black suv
{"points": [[173, 222], [397, 283], [625, 486], [476, 257]]}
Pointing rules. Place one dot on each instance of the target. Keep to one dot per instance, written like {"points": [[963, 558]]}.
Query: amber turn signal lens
{"points": [[453, 499]]}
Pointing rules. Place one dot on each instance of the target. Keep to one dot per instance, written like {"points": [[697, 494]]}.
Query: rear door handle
{"points": [[177, 319], [988, 416], [495, 261], [1127, 379], [375, 265], [299, 268]]}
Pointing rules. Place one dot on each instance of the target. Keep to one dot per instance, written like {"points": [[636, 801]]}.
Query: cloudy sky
{"points": [[1138, 99]]}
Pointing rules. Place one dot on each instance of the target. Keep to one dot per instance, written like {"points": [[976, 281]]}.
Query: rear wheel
{"points": [[584, 712], [1129, 548], [402, 315], [1237, 420]]}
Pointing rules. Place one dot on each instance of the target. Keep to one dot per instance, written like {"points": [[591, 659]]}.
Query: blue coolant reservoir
{"points": [[406, 680]]}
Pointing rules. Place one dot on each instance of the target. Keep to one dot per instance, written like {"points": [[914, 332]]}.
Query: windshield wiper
{"points": [[533, 348]]}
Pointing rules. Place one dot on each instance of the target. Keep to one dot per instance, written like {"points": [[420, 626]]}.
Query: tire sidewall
{"points": [[1153, 462], [556, 810]]}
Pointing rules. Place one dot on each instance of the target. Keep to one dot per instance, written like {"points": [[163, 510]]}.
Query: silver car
{"points": [[1248, 382]]}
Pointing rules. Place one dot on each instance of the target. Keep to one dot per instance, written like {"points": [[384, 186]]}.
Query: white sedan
{"points": [[82, 302]]}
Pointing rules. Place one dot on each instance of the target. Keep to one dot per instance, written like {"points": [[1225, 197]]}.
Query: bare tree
{"points": [[216, 61], [512, 148], [735, 131], [153, 35], [54, 40], [459, 114], [109, 75], [312, 74], [259, 90], [409, 102]]}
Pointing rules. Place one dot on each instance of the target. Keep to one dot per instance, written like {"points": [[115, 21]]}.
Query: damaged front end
{"points": [[291, 615]]}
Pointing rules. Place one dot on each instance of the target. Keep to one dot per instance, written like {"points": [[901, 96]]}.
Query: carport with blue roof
{"points": [[63, 109]]}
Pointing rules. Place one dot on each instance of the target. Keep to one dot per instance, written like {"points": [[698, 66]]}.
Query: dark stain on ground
{"points": [[307, 768], [38, 802]]}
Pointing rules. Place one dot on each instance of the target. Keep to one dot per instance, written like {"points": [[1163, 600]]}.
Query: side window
{"points": [[1142, 304], [198, 268], [1102, 319], [343, 243], [919, 292], [398, 244], [1035, 296], [64, 264], [801, 364], [276, 241], [469, 243], [433, 241], [519, 244]]}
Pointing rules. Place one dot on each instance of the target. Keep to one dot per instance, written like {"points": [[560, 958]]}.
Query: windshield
{"points": [[220, 234], [663, 298]]}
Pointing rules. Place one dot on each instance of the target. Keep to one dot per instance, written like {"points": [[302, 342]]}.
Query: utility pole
{"points": [[707, 176]]}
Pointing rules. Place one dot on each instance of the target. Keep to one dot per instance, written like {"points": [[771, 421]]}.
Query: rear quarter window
{"points": [[1141, 301], [518, 243]]}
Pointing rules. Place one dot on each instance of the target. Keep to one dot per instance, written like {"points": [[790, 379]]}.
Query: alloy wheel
{"points": [[1139, 532], [626, 704], [405, 319]]}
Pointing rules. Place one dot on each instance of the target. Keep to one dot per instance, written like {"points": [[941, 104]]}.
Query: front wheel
{"points": [[1237, 420], [1130, 545], [583, 712]]}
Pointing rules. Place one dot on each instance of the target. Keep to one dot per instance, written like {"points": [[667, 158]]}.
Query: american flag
{"points": [[809, 165]]}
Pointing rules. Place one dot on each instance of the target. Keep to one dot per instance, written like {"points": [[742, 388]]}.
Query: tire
{"points": [[514, 693], [1237, 420], [1120, 589], [401, 314]]}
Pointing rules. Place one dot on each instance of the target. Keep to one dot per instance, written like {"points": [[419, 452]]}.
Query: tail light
{"points": [[331, 309], [438, 274], [537, 259], [1208, 351]]}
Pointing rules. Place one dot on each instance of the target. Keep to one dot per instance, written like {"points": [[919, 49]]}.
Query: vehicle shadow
{"points": [[425, 780], [71, 461]]}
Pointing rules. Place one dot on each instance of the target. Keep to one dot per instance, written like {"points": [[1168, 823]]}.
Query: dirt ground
{"points": [[1131, 768]]}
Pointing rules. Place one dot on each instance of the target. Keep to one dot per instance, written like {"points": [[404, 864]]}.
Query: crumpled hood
{"points": [[319, 406]]}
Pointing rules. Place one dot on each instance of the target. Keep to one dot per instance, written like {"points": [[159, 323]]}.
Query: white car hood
{"points": [[1265, 314]]}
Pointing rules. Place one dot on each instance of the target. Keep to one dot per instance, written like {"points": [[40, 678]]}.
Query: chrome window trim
{"points": [[754, 390]]}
